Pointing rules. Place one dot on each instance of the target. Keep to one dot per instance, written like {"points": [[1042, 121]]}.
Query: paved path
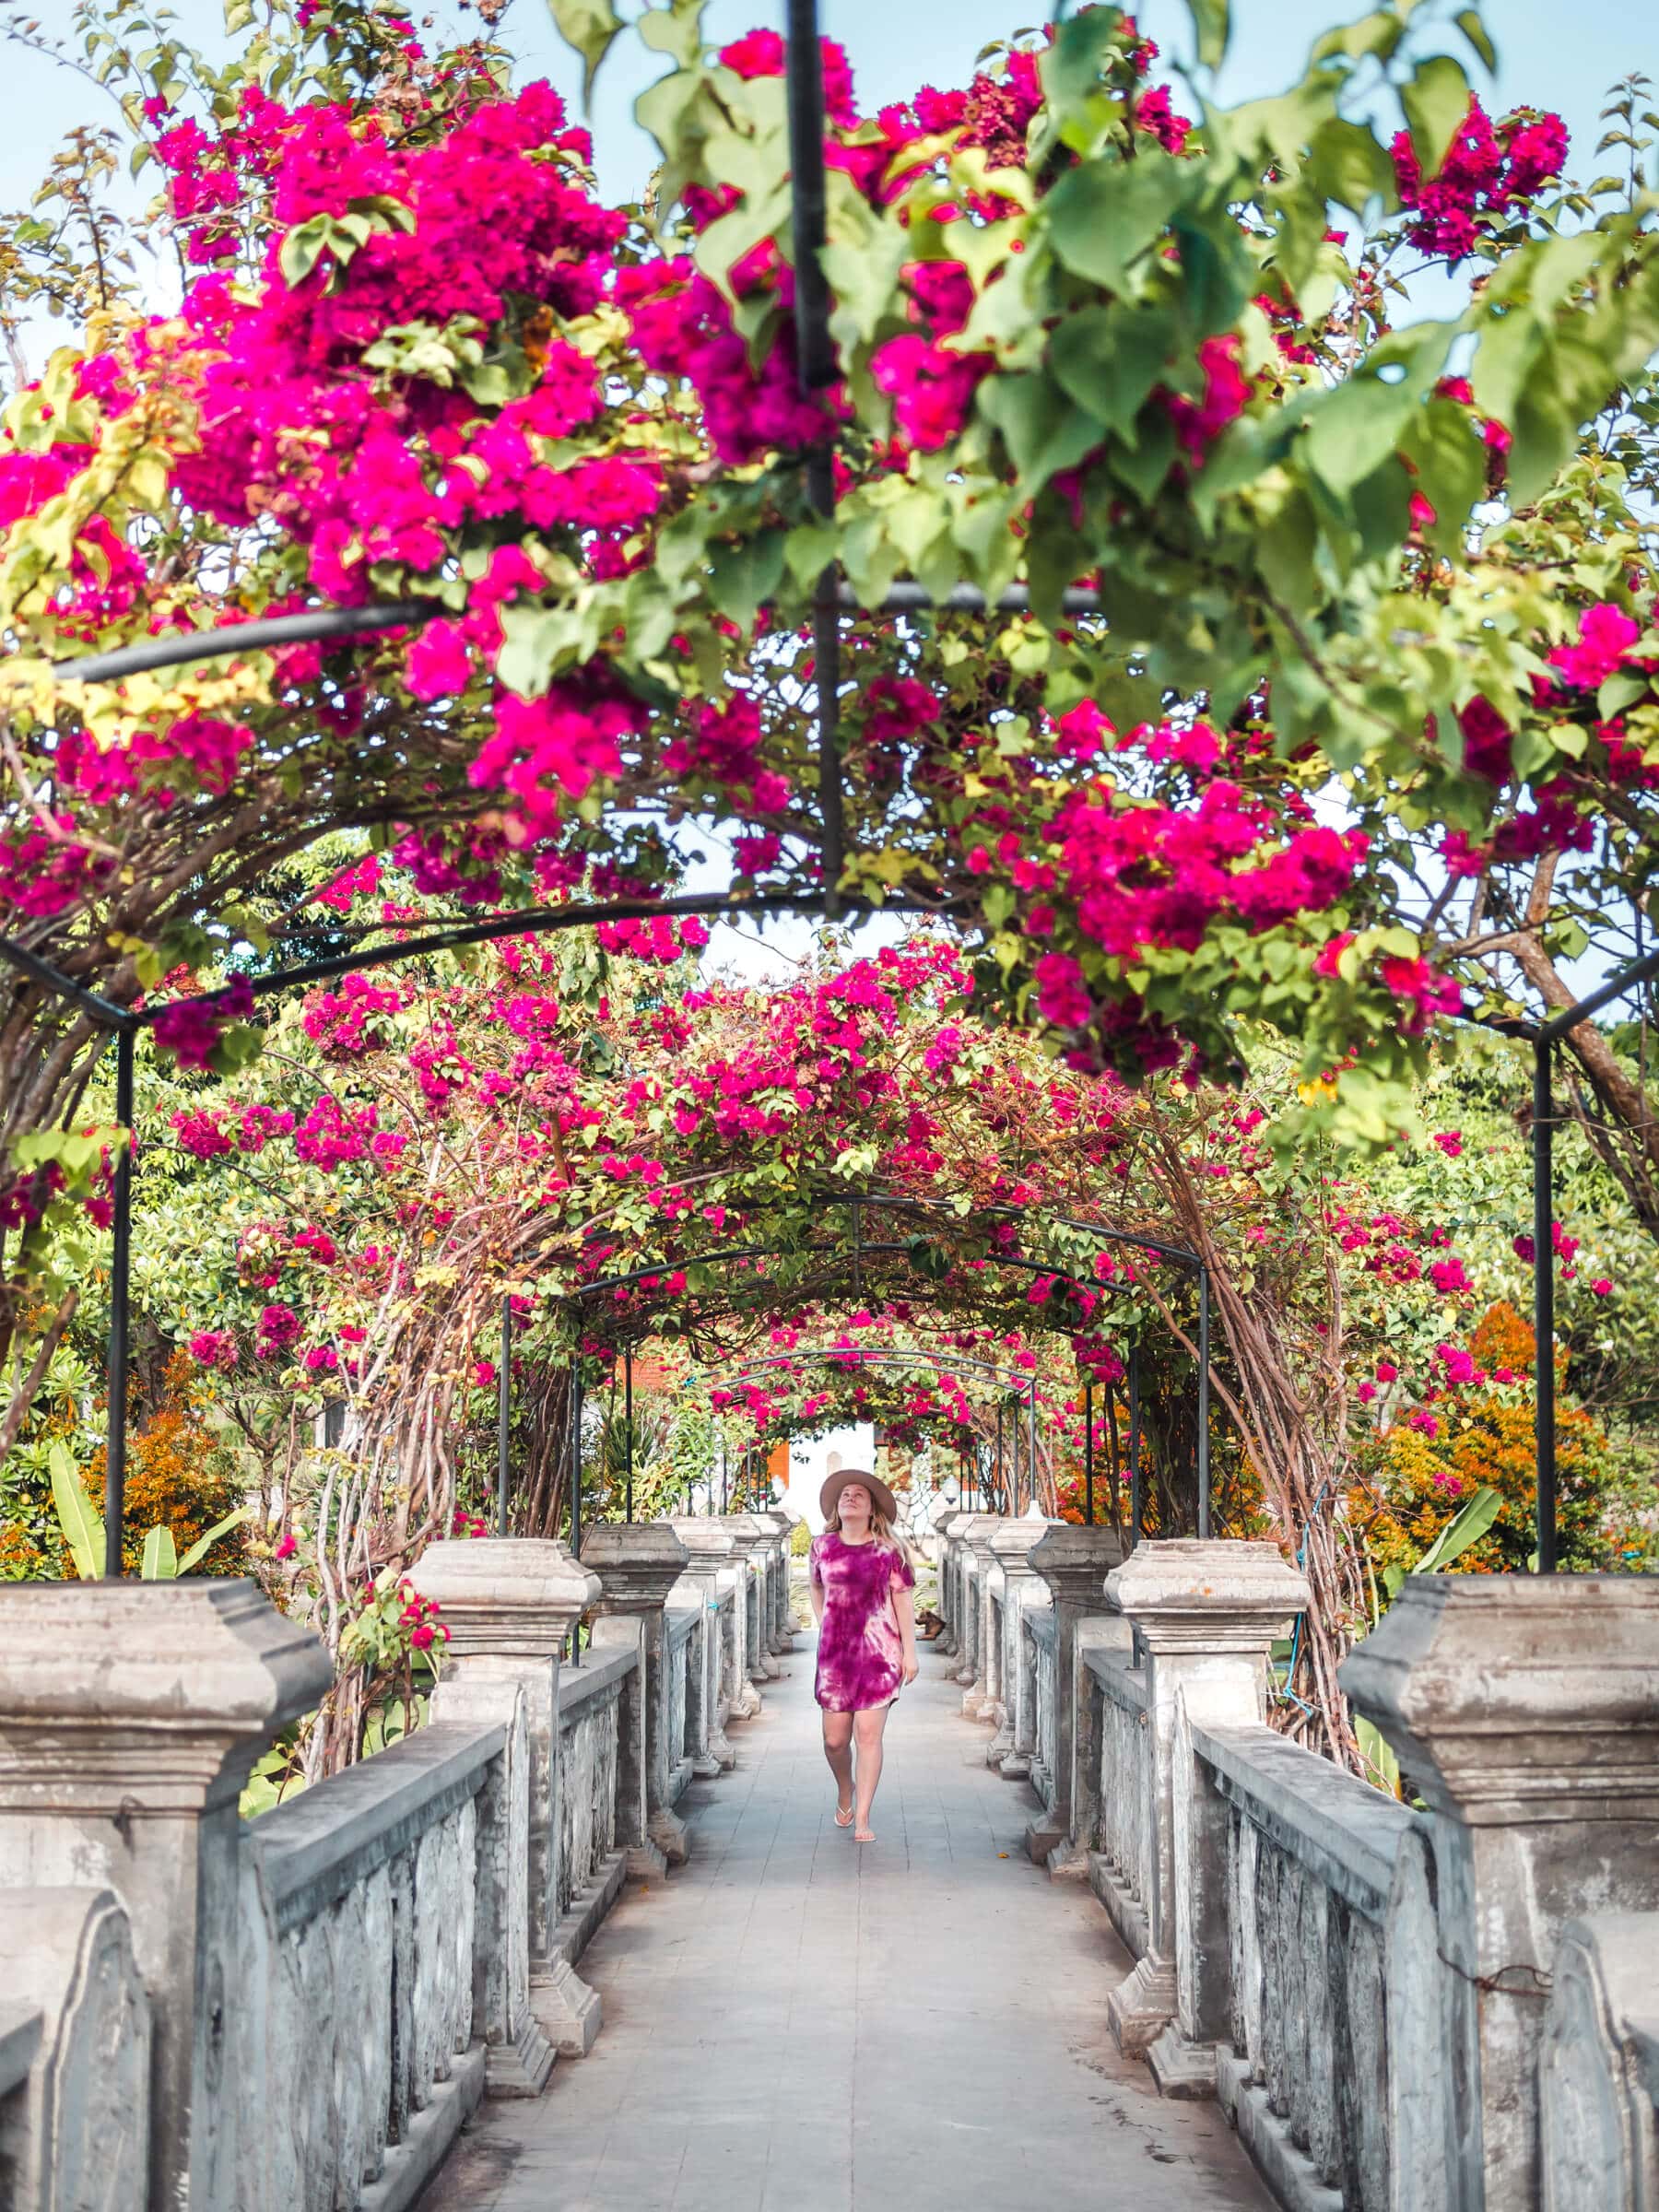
{"points": [[794, 2024]]}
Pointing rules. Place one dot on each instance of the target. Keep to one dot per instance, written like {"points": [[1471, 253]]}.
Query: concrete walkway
{"points": [[794, 2024]]}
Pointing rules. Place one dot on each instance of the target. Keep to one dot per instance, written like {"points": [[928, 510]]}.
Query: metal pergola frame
{"points": [[831, 599], [874, 1356], [1101, 1232]]}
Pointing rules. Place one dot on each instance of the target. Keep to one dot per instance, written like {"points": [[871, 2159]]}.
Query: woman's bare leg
{"points": [[866, 1733], [837, 1750]]}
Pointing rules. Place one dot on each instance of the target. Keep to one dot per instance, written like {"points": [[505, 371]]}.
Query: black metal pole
{"points": [[1204, 1403], [503, 1415], [627, 1424], [1002, 1488], [1088, 1454], [121, 1273], [1031, 1443], [814, 363], [1544, 1299], [1136, 1501], [576, 1492]]}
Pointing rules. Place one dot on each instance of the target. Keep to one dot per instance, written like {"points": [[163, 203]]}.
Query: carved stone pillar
{"points": [[1206, 1613], [706, 1581], [779, 1641], [1074, 1563], [509, 1604], [1525, 1710], [82, 2135], [945, 1543], [130, 1714], [638, 1564], [754, 1541], [981, 1660], [1010, 1747]]}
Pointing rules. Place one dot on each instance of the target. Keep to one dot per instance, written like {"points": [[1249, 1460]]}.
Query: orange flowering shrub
{"points": [[1417, 1474], [177, 1477], [1503, 1338], [21, 1559]]}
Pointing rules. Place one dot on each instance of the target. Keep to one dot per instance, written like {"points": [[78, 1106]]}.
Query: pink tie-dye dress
{"points": [[860, 1654]]}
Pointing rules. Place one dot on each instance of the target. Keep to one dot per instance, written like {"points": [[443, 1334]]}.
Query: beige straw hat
{"points": [[881, 1497]]}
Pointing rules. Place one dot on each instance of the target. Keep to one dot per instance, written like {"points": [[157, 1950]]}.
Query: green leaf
{"points": [[1071, 69], [1041, 432], [1467, 1528], [675, 30], [1348, 165], [1143, 458], [83, 1529], [1104, 215], [1474, 31], [1216, 275], [302, 249], [590, 26], [742, 576], [160, 1562], [1211, 28], [1108, 359], [1354, 430], [1436, 100], [1450, 464], [1618, 692], [1378, 1755], [200, 1550]]}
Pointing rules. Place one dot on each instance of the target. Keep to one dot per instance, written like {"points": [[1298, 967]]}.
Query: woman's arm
{"points": [[904, 1610], [814, 1588]]}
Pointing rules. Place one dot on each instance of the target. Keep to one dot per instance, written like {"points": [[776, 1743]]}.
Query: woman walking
{"points": [[860, 1580]]}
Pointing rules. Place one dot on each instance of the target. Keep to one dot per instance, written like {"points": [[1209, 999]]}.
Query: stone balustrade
{"points": [[381, 1972], [682, 1653], [1035, 1738], [708, 1589], [1600, 2134], [1015, 1587], [301, 2011], [75, 2053], [1452, 2009]]}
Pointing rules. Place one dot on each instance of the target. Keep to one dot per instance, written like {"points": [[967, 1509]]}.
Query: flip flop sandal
{"points": [[844, 1819], [865, 1835]]}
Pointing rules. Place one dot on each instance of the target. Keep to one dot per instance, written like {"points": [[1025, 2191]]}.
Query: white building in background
{"points": [[812, 1458]]}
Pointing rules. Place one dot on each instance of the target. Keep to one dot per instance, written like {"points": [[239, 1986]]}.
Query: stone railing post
{"points": [[1075, 1563], [509, 1604], [709, 1549], [780, 1640], [979, 1668], [130, 1714], [1525, 1710], [638, 1564], [1206, 1614], [1010, 1747], [1599, 2076], [945, 1642], [752, 1560], [81, 2137]]}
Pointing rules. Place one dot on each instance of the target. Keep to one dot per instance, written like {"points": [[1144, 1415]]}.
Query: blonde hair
{"points": [[882, 1532]]}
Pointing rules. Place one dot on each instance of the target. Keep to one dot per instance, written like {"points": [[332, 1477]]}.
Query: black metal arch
{"points": [[833, 597], [874, 1356], [1101, 1232]]}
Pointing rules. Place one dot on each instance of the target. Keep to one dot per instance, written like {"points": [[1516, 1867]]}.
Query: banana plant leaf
{"points": [[200, 1550], [78, 1517], [161, 1560], [1466, 1528]]}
